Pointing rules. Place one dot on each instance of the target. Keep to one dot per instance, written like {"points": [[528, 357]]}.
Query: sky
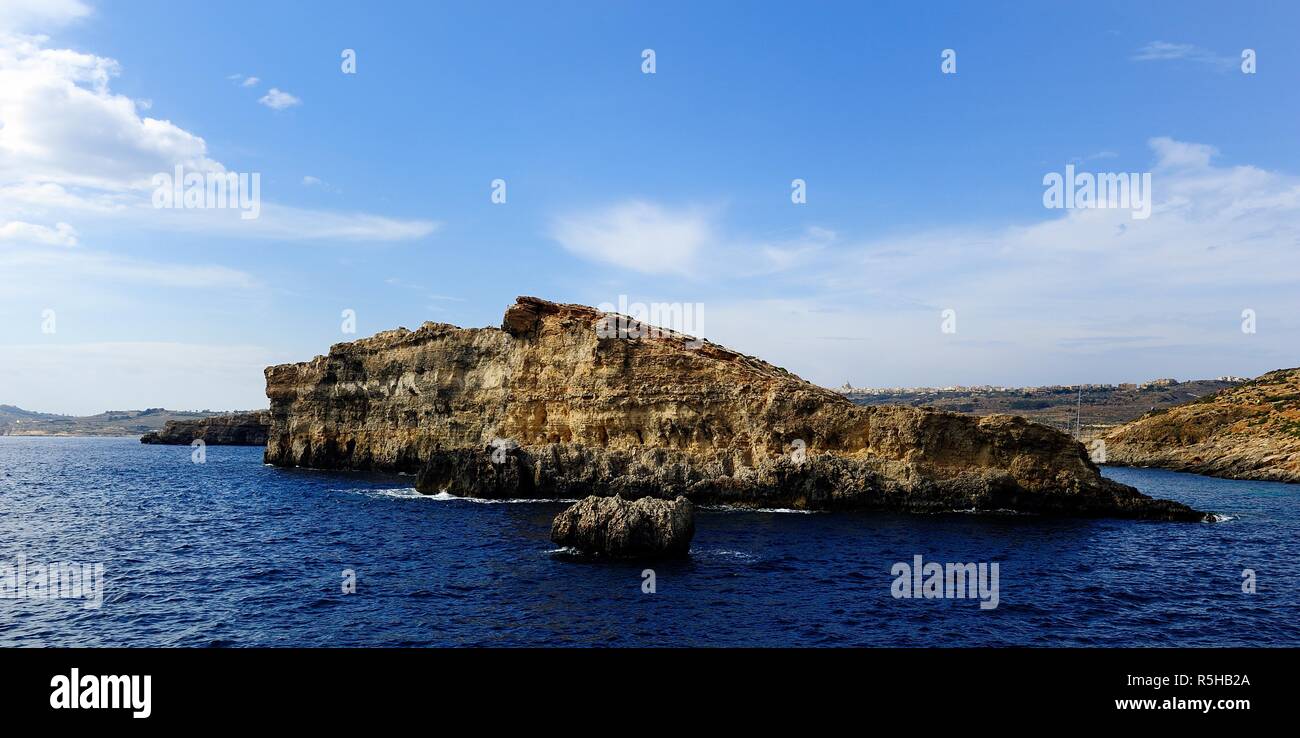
{"points": [[922, 252]]}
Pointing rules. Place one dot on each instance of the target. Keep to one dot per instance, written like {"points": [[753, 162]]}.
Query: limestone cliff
{"points": [[555, 403], [1251, 431], [235, 429]]}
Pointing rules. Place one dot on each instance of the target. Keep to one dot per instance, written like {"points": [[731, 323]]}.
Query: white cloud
{"points": [[1171, 154], [1078, 295], [72, 150], [75, 378], [61, 234], [279, 100], [62, 124], [250, 82], [310, 181], [40, 15], [637, 235]]}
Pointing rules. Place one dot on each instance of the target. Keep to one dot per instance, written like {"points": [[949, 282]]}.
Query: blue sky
{"points": [[924, 189]]}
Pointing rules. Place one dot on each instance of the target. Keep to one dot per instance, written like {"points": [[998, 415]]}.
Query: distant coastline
{"points": [[1086, 410], [16, 421]]}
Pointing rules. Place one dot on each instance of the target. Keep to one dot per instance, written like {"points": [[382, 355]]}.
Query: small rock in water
{"points": [[619, 528]]}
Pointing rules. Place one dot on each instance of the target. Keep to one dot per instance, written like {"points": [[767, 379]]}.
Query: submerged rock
{"points": [[612, 526], [235, 429], [556, 404]]}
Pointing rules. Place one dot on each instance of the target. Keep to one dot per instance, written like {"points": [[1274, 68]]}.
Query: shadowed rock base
{"points": [[817, 483], [619, 528]]}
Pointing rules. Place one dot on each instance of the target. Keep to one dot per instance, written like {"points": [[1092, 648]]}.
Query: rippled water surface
{"points": [[234, 553]]}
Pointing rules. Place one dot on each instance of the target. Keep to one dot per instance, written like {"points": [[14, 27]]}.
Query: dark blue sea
{"points": [[234, 553]]}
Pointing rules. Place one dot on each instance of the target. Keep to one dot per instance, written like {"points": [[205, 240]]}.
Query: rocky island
{"points": [[1251, 431], [612, 526], [235, 429], [566, 401]]}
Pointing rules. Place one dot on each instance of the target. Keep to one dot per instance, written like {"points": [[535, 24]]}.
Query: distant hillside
{"points": [[1251, 431], [1102, 406], [15, 421]]}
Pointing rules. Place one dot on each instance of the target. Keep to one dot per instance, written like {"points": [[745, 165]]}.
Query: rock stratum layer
{"points": [[556, 404], [236, 429], [1251, 431]]}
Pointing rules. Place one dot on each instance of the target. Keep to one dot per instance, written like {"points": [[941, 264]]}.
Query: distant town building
{"points": [[1163, 382]]}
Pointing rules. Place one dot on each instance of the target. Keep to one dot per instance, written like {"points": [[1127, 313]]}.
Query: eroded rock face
{"points": [[236, 429], [551, 405], [1251, 431], [619, 528]]}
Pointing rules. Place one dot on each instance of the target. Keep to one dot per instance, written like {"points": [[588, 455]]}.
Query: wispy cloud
{"points": [[61, 234], [62, 268], [1166, 51], [1074, 290], [638, 235]]}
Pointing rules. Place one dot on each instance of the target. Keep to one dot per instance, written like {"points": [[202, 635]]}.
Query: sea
{"points": [[233, 553]]}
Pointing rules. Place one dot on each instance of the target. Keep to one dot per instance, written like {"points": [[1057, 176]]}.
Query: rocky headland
{"points": [[567, 401], [1251, 431], [235, 429]]}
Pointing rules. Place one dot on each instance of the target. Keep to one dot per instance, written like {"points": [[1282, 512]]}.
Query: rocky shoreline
{"points": [[566, 401]]}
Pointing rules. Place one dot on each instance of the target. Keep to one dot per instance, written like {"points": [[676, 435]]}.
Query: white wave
{"points": [[742, 509], [411, 493], [998, 511], [723, 552], [405, 493], [1219, 518], [445, 496]]}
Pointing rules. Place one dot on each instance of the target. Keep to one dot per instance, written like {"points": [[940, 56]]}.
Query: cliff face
{"points": [[558, 402], [1251, 431], [236, 429]]}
